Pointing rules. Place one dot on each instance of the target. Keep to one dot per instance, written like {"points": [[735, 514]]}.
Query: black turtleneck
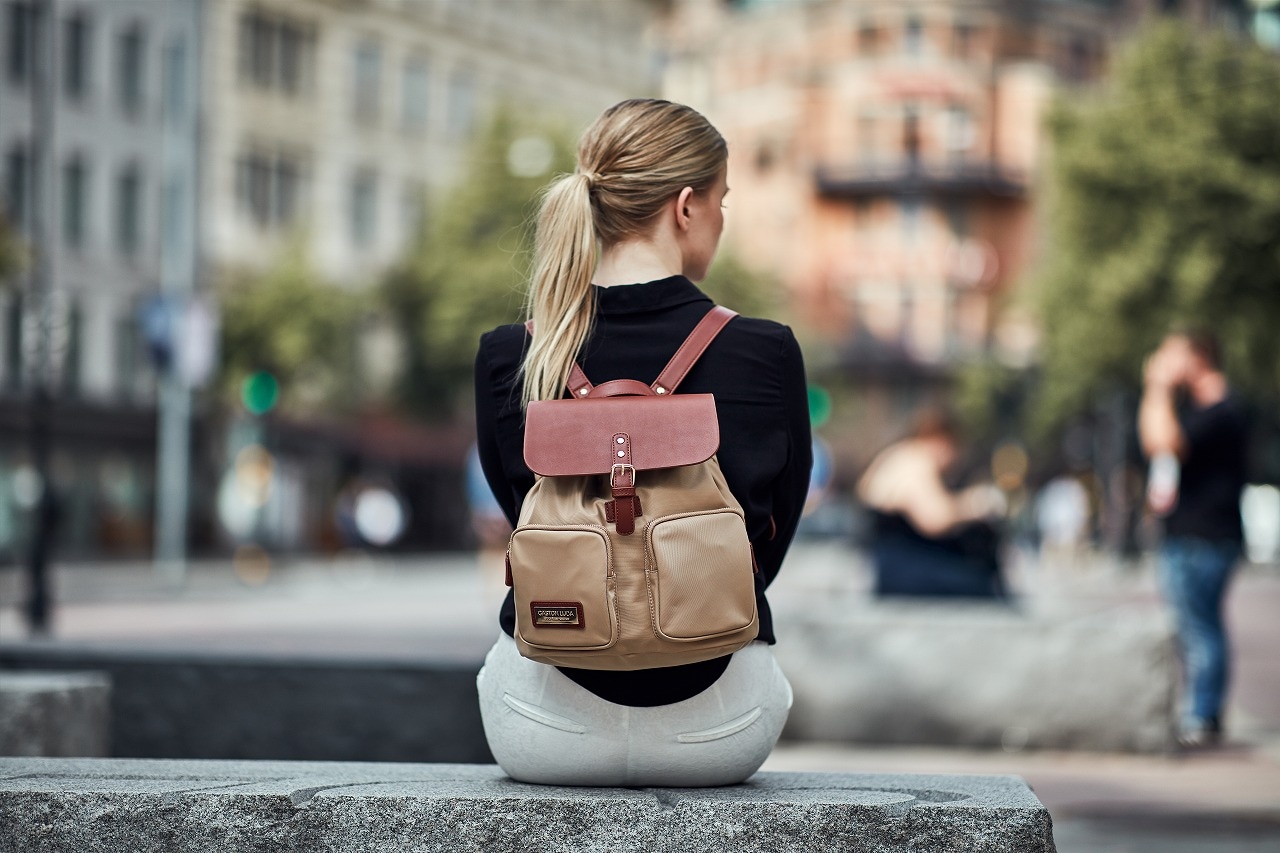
{"points": [[754, 369]]}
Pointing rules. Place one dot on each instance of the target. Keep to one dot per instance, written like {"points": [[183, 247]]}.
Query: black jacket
{"points": [[754, 369]]}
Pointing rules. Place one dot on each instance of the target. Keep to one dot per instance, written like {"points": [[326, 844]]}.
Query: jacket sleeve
{"points": [[487, 444], [791, 486]]}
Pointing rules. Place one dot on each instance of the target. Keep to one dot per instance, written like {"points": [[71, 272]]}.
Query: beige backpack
{"points": [[630, 552]]}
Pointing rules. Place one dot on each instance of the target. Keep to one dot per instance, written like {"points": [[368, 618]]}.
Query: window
{"points": [[958, 219], [19, 177], [76, 56], [71, 374], [128, 351], [913, 37], [175, 80], [910, 211], [461, 105], [129, 210], [862, 214], [132, 46], [366, 76], [269, 187], [413, 94], [276, 52], [75, 201], [959, 133], [962, 41], [867, 152], [868, 39], [22, 40], [364, 202], [174, 217], [1078, 59], [911, 134]]}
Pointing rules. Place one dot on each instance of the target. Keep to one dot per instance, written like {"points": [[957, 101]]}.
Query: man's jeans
{"points": [[1194, 574]]}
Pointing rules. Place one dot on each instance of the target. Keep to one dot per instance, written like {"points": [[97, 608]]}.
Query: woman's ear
{"points": [[682, 208]]}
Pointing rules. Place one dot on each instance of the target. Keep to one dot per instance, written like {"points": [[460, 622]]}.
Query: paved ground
{"points": [[1220, 801]]}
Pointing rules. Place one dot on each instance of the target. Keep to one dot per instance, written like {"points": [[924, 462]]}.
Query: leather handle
{"points": [[622, 388], [692, 348]]}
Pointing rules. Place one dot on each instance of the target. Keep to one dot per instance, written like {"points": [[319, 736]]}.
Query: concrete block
{"points": [[191, 705], [56, 805], [55, 713], [964, 674]]}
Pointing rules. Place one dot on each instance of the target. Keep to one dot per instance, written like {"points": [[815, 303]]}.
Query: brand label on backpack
{"points": [[557, 614]]}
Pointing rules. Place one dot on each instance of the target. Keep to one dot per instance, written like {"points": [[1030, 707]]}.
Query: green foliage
{"points": [[1164, 210], [736, 286], [986, 399], [468, 270], [295, 326]]}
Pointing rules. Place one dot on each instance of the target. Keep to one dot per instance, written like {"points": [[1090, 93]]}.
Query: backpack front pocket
{"points": [[699, 572], [564, 587]]}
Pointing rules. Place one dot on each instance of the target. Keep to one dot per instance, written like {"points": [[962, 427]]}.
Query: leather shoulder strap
{"points": [[679, 365], [692, 349], [579, 385]]}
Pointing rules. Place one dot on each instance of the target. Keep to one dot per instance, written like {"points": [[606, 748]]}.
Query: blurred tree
{"points": [[467, 270], [1164, 204], [734, 285], [288, 322]]}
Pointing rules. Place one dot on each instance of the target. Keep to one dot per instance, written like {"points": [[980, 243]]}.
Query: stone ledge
{"points": [[55, 713], [148, 805], [962, 674]]}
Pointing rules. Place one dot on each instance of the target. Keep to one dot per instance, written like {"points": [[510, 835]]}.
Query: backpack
{"points": [[630, 551]]}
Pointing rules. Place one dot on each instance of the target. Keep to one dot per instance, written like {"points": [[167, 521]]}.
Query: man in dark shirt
{"points": [[1198, 472]]}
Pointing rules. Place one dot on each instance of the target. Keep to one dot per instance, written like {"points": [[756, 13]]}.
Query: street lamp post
{"points": [[40, 293]]}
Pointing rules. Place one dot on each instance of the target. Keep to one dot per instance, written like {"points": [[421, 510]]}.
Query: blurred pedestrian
{"points": [[620, 243], [1062, 520], [927, 540], [1193, 430]]}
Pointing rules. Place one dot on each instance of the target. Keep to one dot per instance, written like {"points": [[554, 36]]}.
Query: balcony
{"points": [[913, 178]]}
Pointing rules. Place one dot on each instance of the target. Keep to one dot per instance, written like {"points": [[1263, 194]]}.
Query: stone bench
{"points": [[979, 675], [55, 713], [148, 805]]}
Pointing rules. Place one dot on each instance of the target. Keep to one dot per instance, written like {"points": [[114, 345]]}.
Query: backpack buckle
{"points": [[625, 506]]}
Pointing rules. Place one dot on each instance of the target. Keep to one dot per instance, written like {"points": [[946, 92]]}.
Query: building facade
{"points": [[333, 123], [88, 178], [345, 122], [885, 154]]}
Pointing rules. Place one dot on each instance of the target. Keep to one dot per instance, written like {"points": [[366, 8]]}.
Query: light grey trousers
{"points": [[544, 728]]}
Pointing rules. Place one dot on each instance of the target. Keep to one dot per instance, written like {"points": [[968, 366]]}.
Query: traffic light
{"points": [[259, 392], [819, 406]]}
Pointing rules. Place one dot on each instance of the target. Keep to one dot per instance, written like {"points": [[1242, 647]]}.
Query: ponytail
{"points": [[631, 161], [561, 303]]}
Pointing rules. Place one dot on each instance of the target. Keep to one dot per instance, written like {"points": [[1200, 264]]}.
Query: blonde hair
{"points": [[631, 161]]}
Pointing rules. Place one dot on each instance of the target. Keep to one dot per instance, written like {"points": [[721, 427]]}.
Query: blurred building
{"points": [[884, 158], [93, 177], [885, 153], [346, 121], [337, 123]]}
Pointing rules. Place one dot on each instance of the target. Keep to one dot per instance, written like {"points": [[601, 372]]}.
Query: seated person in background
{"points": [[925, 539]]}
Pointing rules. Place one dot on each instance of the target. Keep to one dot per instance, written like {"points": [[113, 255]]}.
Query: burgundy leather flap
{"points": [[574, 437]]}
